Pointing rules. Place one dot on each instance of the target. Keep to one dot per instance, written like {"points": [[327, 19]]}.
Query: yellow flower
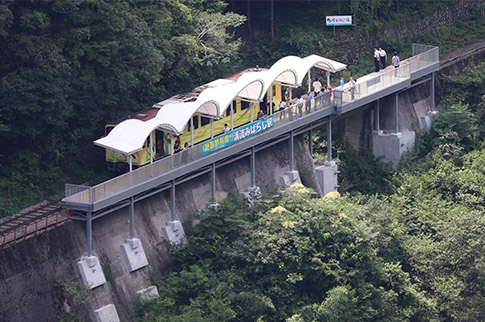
{"points": [[289, 224], [342, 215], [278, 209], [297, 185], [332, 195]]}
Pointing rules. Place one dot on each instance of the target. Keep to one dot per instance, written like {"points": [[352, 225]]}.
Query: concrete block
{"points": [[134, 254], [148, 293], [174, 233], [289, 178], [327, 176], [107, 313], [391, 146], [91, 271]]}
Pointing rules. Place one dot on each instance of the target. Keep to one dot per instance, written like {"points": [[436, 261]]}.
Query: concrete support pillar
{"points": [[329, 139], [213, 181], [132, 218], [377, 117], [432, 97], [172, 201], [252, 165], [310, 142], [132, 248], [89, 233], [328, 78], [173, 232], [89, 266], [327, 177], [292, 176], [391, 146], [396, 113], [292, 156]]}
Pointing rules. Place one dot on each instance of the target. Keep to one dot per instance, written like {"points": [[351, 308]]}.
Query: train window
{"points": [[204, 121], [196, 121], [244, 105], [228, 110]]}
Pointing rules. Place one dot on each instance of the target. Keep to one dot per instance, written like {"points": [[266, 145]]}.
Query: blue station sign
{"points": [[237, 135]]}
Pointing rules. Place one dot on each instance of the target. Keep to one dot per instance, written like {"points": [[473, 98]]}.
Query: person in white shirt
{"points": [[226, 128], [376, 59], [383, 56], [317, 87]]}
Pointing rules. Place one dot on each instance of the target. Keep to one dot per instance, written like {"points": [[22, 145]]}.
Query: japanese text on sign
{"points": [[237, 135], [338, 20]]}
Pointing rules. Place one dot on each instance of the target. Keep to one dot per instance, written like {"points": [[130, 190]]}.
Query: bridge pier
{"points": [[89, 266], [132, 248], [391, 146], [292, 176], [173, 232]]}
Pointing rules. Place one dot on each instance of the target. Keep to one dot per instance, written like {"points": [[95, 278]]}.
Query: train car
{"points": [[161, 141]]}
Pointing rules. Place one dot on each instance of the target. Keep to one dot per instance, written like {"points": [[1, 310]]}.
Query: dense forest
{"points": [[68, 67]]}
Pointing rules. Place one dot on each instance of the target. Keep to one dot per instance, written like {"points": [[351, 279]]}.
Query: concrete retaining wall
{"points": [[29, 269]]}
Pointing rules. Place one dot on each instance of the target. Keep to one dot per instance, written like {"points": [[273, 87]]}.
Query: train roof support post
{"points": [[232, 115], [191, 131], [309, 81], [212, 128], [271, 100]]}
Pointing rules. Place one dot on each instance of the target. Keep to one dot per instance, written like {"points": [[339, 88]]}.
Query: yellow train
{"points": [[117, 161]]}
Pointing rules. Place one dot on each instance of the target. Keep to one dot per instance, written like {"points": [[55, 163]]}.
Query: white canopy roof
{"points": [[129, 136]]}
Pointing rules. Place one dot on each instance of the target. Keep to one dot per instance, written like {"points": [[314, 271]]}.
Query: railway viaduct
{"points": [[117, 240]]}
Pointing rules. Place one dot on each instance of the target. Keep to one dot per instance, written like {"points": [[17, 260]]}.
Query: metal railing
{"points": [[32, 229], [426, 56]]}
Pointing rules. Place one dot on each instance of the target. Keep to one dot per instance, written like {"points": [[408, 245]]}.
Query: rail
{"points": [[367, 85], [33, 228]]}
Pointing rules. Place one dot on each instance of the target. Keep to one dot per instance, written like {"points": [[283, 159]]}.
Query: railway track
{"points": [[31, 222]]}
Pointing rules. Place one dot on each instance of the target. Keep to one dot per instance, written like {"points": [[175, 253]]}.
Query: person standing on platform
{"points": [[317, 87], [377, 58], [383, 56], [342, 82], [395, 60], [352, 88]]}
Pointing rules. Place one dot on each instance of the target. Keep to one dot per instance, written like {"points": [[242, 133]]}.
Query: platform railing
{"points": [[426, 56]]}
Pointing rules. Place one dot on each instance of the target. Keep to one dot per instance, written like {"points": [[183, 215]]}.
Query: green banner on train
{"points": [[237, 135]]}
